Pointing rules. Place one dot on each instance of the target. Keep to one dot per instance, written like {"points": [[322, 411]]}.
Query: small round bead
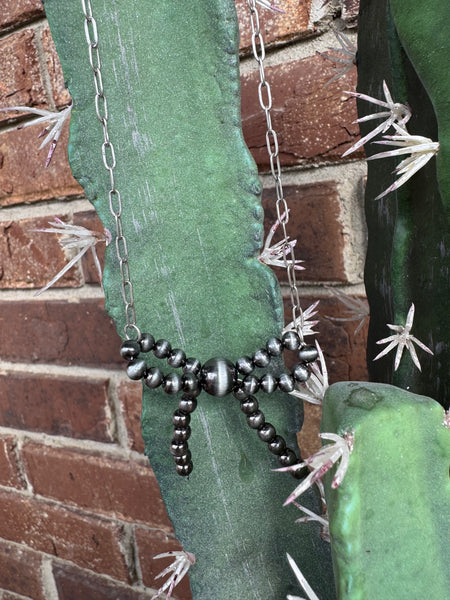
{"points": [[291, 340], [250, 384], [136, 369], [217, 377], [178, 448], [287, 458], [267, 432], [274, 346], [184, 459], [162, 349], [153, 377], [277, 445], [146, 342], [181, 434], [190, 384], [249, 406], [184, 470], [239, 393], [268, 383], [192, 365], [187, 404], [261, 358], [300, 372], [308, 354], [286, 382], [300, 473], [245, 365], [176, 358], [171, 383], [256, 420], [129, 350], [181, 418]]}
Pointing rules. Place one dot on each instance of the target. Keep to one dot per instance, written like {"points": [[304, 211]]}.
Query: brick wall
{"points": [[80, 511]]}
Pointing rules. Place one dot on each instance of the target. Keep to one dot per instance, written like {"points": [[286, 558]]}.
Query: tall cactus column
{"points": [[193, 223]]}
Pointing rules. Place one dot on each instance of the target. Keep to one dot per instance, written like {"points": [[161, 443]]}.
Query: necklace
{"points": [[217, 376]]}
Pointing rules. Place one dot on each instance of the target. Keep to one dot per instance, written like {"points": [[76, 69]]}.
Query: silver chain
{"points": [[265, 101], [109, 162]]}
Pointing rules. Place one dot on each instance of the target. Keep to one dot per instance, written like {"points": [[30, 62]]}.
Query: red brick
{"points": [[151, 542], [78, 584], [23, 176], [314, 121], [69, 407], [350, 10], [21, 82], [61, 95], [128, 490], [275, 27], [20, 571], [9, 469], [314, 222], [29, 259], [130, 396], [89, 542], [90, 220], [15, 12], [58, 332]]}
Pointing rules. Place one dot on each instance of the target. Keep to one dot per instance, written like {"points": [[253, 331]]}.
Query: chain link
{"points": [[109, 162], [265, 101]]}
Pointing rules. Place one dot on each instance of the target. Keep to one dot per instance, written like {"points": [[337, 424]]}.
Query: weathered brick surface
{"points": [[15, 12], [23, 176], [58, 332], [9, 469], [61, 96], [314, 222], [90, 220], [130, 396], [151, 542], [314, 121], [68, 407], [275, 26], [128, 490], [78, 584], [20, 571], [89, 542], [21, 83]]}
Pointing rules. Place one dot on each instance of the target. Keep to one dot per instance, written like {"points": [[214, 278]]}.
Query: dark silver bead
{"points": [[291, 340], [245, 365], [190, 384], [184, 470], [239, 393], [267, 432], [268, 383], [129, 350], [146, 342], [178, 448], [187, 404], [192, 365], [308, 354], [136, 369], [300, 372], [286, 382], [287, 458], [171, 383], [256, 420], [274, 346], [249, 405], [162, 349], [176, 358], [153, 377], [181, 418], [277, 446], [217, 377], [261, 358], [184, 459], [181, 434], [250, 384]]}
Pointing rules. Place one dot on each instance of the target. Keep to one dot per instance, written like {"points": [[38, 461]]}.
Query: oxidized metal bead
{"points": [[153, 377], [146, 342], [162, 349], [250, 384], [136, 369], [287, 458], [268, 383], [300, 372], [274, 346], [239, 393], [261, 358], [190, 384], [291, 340], [256, 420], [245, 365], [184, 470], [250, 405], [181, 434], [267, 432], [176, 358], [171, 383], [129, 350], [178, 448], [181, 418], [184, 459], [187, 404], [217, 377], [308, 354], [192, 365], [277, 446], [286, 382]]}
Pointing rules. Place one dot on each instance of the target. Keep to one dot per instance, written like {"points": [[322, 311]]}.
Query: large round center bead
{"points": [[217, 376]]}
